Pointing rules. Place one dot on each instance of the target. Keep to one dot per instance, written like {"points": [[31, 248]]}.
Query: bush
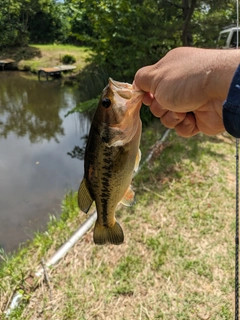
{"points": [[68, 59]]}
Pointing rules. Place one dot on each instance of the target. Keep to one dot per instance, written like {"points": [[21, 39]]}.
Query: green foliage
{"points": [[127, 34], [22, 21], [48, 26], [81, 29], [206, 27], [12, 23], [91, 80], [68, 59], [123, 34], [86, 106]]}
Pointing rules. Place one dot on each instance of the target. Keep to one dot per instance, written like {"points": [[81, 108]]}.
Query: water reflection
{"points": [[35, 139], [77, 152], [31, 108]]}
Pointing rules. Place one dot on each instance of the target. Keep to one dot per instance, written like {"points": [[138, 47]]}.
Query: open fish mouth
{"points": [[119, 85], [124, 89]]}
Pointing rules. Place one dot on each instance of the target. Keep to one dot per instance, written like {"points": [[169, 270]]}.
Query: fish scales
{"points": [[112, 153]]}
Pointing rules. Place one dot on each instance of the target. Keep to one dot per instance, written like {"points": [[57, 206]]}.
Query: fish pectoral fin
{"points": [[103, 235], [137, 161], [129, 197], [84, 198]]}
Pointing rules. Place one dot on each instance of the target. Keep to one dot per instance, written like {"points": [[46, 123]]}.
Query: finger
{"points": [[135, 87], [171, 119], [148, 99], [143, 79], [188, 127], [156, 109]]}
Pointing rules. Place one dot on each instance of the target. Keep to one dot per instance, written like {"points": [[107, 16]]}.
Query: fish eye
{"points": [[106, 102]]}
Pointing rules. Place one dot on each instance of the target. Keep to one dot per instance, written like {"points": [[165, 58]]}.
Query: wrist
{"points": [[221, 70]]}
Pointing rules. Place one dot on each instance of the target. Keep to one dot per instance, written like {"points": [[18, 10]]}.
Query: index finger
{"points": [[143, 79]]}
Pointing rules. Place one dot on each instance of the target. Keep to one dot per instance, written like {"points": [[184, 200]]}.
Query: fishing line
{"points": [[237, 207]]}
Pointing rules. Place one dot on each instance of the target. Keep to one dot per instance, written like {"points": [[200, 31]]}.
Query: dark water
{"points": [[35, 169]]}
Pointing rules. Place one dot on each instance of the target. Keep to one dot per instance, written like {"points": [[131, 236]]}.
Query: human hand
{"points": [[186, 89]]}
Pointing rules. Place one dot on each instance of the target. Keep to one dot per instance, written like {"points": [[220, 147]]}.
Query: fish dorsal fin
{"points": [[129, 197], [137, 161], [103, 235], [84, 198]]}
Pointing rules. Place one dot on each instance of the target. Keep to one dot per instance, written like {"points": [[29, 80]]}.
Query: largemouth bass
{"points": [[112, 154]]}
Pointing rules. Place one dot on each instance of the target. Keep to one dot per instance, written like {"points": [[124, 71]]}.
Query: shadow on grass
{"points": [[20, 53], [166, 162]]}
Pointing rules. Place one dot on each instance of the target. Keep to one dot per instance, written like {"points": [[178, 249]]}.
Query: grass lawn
{"points": [[177, 261], [35, 56]]}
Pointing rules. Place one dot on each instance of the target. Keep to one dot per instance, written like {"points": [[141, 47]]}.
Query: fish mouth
{"points": [[119, 85], [124, 89]]}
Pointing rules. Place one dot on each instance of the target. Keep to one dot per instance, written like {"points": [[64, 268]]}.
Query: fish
{"points": [[112, 155]]}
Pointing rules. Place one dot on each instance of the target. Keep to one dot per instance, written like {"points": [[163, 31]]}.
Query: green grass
{"points": [[36, 56], [177, 261], [57, 47]]}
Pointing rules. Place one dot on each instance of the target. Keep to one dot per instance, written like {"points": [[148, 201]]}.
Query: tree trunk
{"points": [[187, 15]]}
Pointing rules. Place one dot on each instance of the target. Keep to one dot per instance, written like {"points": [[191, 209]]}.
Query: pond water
{"points": [[35, 139]]}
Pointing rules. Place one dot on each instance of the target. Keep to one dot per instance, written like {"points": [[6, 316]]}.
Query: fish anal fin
{"points": [[137, 161], [103, 235], [129, 197], [84, 198]]}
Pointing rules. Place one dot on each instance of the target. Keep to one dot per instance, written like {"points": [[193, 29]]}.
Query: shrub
{"points": [[68, 59]]}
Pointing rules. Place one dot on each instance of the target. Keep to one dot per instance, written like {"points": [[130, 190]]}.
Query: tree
{"points": [[81, 29], [127, 34], [10, 24], [209, 19], [123, 32], [49, 24], [35, 20]]}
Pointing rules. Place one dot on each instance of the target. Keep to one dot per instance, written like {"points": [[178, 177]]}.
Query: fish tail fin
{"points": [[103, 235]]}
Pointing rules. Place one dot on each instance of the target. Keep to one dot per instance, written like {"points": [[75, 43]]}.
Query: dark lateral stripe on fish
{"points": [[106, 187], [107, 152], [105, 181], [105, 193], [104, 201], [107, 174]]}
